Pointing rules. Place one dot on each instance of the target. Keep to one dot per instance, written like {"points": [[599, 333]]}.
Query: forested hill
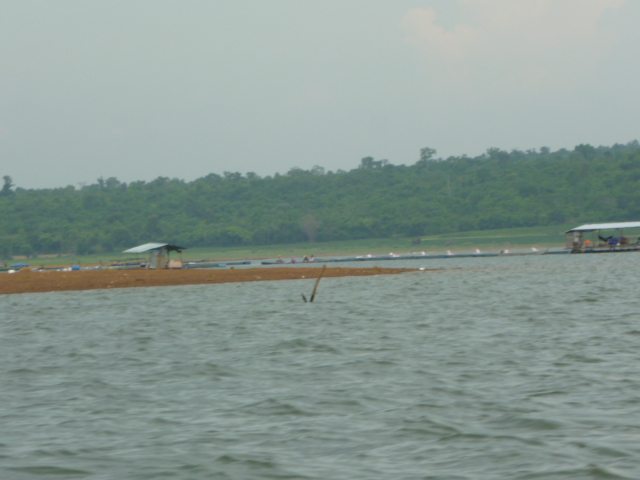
{"points": [[496, 190]]}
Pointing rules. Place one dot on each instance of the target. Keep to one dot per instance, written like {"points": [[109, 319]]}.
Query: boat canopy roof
{"points": [[604, 226], [154, 246]]}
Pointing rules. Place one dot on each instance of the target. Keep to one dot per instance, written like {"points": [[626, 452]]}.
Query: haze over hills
{"points": [[137, 90], [498, 189]]}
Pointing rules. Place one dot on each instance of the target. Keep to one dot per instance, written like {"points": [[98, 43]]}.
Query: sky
{"points": [[140, 89]]}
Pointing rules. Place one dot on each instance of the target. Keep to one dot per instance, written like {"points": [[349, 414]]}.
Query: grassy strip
{"points": [[486, 240]]}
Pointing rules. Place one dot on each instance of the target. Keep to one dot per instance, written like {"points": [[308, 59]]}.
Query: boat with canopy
{"points": [[604, 237]]}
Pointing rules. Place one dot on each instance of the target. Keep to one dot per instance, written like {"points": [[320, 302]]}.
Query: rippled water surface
{"points": [[496, 368]]}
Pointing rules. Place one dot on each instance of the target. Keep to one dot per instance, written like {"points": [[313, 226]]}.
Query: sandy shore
{"points": [[27, 281]]}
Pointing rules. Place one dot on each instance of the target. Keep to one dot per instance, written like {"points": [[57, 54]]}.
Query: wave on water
{"points": [[498, 368]]}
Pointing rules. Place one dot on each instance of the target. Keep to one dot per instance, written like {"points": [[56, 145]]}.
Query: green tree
{"points": [[6, 188], [310, 226]]}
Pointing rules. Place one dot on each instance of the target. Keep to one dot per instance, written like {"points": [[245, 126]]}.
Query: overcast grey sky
{"points": [[145, 88]]}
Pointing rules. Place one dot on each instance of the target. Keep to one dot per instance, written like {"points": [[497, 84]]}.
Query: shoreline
{"points": [[26, 281], [320, 250]]}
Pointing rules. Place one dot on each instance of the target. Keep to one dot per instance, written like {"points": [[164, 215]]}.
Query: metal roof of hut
{"points": [[604, 226], [154, 246]]}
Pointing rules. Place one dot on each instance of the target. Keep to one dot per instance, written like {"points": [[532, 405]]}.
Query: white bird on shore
{"points": [[477, 250]]}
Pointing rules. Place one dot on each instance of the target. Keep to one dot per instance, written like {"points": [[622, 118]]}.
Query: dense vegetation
{"points": [[498, 189]]}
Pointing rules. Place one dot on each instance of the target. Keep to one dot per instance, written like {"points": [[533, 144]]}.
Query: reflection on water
{"points": [[515, 368]]}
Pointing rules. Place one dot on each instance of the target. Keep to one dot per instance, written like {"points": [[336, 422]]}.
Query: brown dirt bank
{"points": [[51, 281]]}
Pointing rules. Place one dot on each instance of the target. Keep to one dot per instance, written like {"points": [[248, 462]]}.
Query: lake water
{"points": [[492, 368]]}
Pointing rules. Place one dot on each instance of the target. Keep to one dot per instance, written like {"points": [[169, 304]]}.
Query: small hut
{"points": [[159, 254]]}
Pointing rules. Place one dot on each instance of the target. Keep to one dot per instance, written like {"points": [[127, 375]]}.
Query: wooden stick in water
{"points": [[317, 282]]}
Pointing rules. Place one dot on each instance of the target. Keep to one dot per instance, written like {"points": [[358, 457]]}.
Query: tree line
{"points": [[498, 189]]}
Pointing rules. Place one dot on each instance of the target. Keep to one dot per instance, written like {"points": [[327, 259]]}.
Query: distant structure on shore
{"points": [[603, 237], [159, 254]]}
